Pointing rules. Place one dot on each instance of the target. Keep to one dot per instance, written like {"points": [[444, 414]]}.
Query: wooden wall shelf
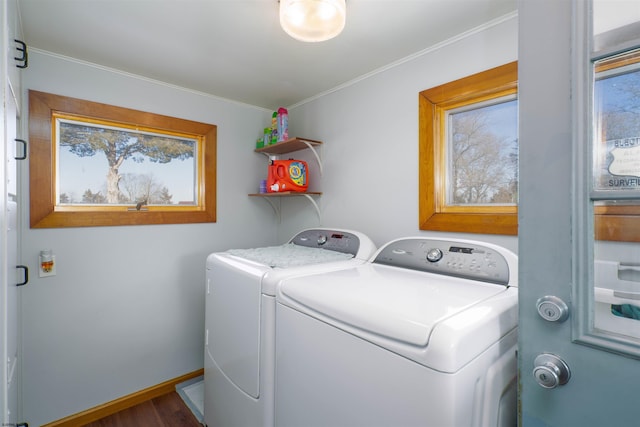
{"points": [[288, 146]]}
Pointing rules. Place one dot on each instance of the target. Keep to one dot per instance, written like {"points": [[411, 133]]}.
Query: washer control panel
{"points": [[469, 260], [333, 240]]}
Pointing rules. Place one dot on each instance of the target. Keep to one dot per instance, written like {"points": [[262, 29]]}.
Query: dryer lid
{"points": [[398, 304]]}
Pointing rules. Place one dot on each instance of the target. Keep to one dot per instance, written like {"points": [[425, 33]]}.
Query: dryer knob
{"points": [[434, 255]]}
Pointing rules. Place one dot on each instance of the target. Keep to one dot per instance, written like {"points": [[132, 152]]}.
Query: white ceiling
{"points": [[235, 49]]}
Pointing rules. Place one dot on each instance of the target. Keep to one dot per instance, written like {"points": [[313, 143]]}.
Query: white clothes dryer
{"points": [[240, 318], [423, 335]]}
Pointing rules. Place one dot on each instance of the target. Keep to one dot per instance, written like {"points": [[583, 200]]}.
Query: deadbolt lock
{"points": [[552, 309]]}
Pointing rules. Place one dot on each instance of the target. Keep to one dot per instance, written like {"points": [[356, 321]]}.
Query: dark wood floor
{"points": [[164, 411]]}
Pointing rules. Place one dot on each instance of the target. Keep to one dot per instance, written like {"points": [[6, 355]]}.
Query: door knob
{"points": [[550, 371]]}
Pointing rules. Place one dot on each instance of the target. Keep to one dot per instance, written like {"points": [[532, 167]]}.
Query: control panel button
{"points": [[434, 255]]}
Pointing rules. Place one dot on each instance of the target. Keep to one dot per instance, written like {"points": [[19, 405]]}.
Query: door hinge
{"points": [[24, 58], [26, 275], [24, 149]]}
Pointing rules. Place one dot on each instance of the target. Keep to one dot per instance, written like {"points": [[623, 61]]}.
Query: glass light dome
{"points": [[312, 20]]}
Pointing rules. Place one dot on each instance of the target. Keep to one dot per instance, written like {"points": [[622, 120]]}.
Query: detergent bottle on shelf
{"points": [[287, 175], [283, 124]]}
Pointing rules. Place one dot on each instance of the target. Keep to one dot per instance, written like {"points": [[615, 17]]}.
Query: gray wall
{"points": [[125, 310], [370, 135]]}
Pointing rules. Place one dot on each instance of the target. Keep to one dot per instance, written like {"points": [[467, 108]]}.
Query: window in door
{"points": [[607, 288], [616, 175]]}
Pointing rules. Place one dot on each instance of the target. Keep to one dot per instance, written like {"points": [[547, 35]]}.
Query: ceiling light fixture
{"points": [[312, 20]]}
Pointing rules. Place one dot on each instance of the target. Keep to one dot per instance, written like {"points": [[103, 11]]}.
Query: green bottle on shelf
{"points": [[274, 128]]}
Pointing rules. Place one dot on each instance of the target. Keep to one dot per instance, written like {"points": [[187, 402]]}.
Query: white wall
{"points": [[370, 134], [126, 308]]}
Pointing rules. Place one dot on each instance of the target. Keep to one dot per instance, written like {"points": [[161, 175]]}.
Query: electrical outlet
{"points": [[46, 271]]}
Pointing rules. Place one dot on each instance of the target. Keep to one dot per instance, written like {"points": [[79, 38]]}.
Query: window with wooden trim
{"points": [[468, 142], [94, 164]]}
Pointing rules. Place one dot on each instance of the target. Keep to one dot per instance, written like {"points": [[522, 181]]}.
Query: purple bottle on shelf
{"points": [[283, 124]]}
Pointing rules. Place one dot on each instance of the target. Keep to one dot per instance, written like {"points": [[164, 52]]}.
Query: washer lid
{"points": [[398, 304], [289, 255]]}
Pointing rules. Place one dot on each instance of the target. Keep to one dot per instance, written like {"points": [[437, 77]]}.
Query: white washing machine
{"points": [[240, 318], [423, 335]]}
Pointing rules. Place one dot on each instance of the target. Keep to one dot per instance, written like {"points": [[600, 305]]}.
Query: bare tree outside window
{"points": [[144, 187], [483, 155]]}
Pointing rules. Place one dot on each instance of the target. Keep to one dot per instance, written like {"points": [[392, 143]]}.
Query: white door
{"points": [[579, 364], [13, 276], [9, 276]]}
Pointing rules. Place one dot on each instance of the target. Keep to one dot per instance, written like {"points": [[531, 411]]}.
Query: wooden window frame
{"points": [[434, 103], [44, 211]]}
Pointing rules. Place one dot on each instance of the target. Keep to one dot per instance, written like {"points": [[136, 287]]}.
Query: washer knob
{"points": [[322, 239], [434, 255]]}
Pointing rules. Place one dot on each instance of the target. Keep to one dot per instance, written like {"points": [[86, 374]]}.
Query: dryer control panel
{"points": [[469, 260], [333, 240]]}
